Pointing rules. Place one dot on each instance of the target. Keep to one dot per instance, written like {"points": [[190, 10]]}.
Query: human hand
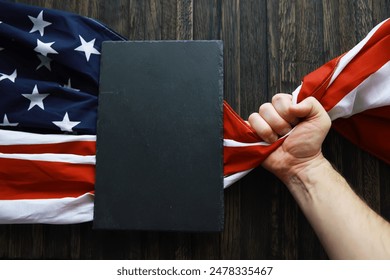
{"points": [[309, 124]]}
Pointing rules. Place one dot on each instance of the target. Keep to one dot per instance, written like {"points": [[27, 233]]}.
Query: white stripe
{"points": [[353, 52], [295, 94], [373, 92], [77, 159], [233, 143], [8, 137], [231, 179], [48, 211]]}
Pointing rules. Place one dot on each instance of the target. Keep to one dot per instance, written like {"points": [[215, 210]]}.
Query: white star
{"points": [[1, 49], [7, 123], [39, 23], [44, 48], [66, 124], [69, 86], [36, 98], [11, 77], [87, 48], [45, 62]]}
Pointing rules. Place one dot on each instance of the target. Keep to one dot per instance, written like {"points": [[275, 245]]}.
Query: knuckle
{"points": [[267, 134], [264, 107], [276, 98], [281, 97], [252, 117]]}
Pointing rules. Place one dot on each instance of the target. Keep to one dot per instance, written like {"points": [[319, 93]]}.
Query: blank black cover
{"points": [[159, 136]]}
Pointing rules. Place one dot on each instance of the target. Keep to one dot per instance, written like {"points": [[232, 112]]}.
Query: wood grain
{"points": [[268, 47]]}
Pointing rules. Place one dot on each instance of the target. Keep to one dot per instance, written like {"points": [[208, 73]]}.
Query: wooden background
{"points": [[269, 46]]}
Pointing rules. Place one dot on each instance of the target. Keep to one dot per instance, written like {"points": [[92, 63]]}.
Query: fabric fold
{"points": [[354, 89]]}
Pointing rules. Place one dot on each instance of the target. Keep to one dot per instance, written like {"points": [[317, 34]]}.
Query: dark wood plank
{"points": [[230, 34], [282, 70], [253, 56], [254, 195], [168, 19], [184, 27], [153, 11], [4, 241], [136, 20], [207, 19]]}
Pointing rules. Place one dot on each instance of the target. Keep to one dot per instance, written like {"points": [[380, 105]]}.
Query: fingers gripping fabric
{"points": [[354, 89]]}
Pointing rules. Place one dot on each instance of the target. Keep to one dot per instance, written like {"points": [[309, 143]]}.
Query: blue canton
{"points": [[49, 69]]}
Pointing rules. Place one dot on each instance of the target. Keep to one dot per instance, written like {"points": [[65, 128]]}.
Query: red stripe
{"points": [[83, 148], [236, 128], [237, 159], [25, 179], [315, 83], [368, 130], [382, 32]]}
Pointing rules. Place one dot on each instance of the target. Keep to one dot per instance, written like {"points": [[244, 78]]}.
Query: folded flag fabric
{"points": [[49, 73], [354, 89]]}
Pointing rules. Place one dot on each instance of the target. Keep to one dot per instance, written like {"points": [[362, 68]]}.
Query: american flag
{"points": [[354, 89], [49, 76], [49, 71]]}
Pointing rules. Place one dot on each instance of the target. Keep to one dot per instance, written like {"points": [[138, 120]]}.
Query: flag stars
{"points": [[69, 86], [36, 98], [45, 62], [6, 122], [66, 124], [10, 77], [39, 24], [87, 47], [45, 48]]}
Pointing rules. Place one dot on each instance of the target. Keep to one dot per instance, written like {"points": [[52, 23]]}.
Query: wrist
{"points": [[306, 173]]}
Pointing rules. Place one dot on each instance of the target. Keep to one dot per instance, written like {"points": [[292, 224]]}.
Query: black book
{"points": [[159, 159]]}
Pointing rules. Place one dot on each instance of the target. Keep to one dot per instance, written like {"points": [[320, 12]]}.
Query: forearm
{"points": [[345, 225]]}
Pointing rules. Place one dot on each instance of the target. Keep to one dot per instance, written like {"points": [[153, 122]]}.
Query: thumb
{"points": [[311, 109], [307, 108]]}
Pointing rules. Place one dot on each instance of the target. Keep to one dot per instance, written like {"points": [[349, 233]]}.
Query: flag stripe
{"points": [[236, 128], [233, 143], [368, 130], [64, 158], [52, 211], [238, 159], [33, 179], [9, 137], [77, 147], [373, 92], [231, 179]]}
